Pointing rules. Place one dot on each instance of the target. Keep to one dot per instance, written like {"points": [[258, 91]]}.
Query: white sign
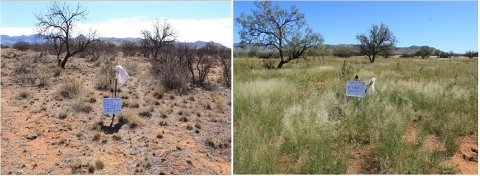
{"points": [[355, 89], [112, 106]]}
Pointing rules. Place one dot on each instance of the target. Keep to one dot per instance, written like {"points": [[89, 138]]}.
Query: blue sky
{"points": [[443, 25], [207, 21]]}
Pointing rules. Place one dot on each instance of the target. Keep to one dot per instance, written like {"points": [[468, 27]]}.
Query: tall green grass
{"points": [[297, 120]]}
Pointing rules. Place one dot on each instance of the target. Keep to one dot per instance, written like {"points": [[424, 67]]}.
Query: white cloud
{"points": [[219, 30]]}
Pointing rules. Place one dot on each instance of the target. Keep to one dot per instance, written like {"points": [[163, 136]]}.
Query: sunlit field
{"points": [[298, 120]]}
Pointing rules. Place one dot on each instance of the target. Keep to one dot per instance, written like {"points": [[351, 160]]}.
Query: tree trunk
{"points": [[372, 59], [64, 61], [281, 64], [58, 60]]}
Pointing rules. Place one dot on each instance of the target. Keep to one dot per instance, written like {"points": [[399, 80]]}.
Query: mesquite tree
{"points": [[161, 35], [379, 40], [274, 27], [59, 24]]}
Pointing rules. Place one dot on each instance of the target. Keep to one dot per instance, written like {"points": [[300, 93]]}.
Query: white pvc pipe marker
{"points": [[371, 83], [121, 74]]}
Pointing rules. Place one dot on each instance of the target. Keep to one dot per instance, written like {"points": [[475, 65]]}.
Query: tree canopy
{"points": [[379, 40], [282, 29]]}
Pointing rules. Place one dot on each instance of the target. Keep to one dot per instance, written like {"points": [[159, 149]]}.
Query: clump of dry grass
{"points": [[62, 115], [198, 125], [131, 119], [184, 118], [116, 137], [191, 97], [24, 94], [210, 141], [97, 136], [70, 88], [163, 122], [99, 164], [189, 126], [149, 99], [59, 141], [102, 82], [97, 124], [219, 102], [158, 92], [206, 104], [146, 112], [43, 79], [134, 104], [80, 106], [57, 71]]}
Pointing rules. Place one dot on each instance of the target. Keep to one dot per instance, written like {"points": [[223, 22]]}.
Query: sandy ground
{"points": [[37, 139]]}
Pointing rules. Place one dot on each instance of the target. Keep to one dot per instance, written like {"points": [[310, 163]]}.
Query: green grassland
{"points": [[298, 120]]}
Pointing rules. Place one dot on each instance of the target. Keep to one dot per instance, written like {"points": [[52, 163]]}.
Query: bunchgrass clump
{"points": [[146, 112], [298, 120]]}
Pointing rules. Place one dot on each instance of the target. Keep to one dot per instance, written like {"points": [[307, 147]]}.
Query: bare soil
{"points": [[37, 138]]}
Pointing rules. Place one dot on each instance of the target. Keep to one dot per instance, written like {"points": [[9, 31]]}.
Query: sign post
{"points": [[112, 106], [355, 89]]}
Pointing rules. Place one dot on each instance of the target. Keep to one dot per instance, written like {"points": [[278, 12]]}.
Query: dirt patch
{"points": [[362, 160], [466, 159], [45, 133]]}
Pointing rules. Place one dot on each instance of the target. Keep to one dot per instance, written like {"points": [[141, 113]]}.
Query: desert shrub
{"points": [[158, 92], [23, 65], [146, 112], [171, 68], [80, 105], [21, 46], [163, 123], [343, 51], [57, 71], [62, 115], [70, 88], [131, 67], [116, 137], [43, 78], [102, 82], [24, 94], [210, 141]]}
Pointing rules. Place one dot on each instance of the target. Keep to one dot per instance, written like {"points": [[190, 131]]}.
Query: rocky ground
{"points": [[44, 131]]}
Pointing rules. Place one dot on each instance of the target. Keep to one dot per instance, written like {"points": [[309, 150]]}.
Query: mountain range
{"points": [[10, 40], [398, 50]]}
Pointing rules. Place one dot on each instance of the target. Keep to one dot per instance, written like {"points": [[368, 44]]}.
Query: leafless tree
{"points": [[60, 24], [189, 52], [154, 41], [128, 48], [206, 56], [226, 60]]}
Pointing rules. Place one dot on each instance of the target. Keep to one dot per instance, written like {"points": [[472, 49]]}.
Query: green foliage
{"points": [[378, 40], [292, 37], [424, 52], [471, 54], [343, 51], [298, 120]]}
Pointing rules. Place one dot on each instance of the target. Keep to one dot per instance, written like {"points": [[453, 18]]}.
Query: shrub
{"points": [[70, 88], [159, 91], [24, 94], [81, 106], [21, 46], [163, 123], [146, 112]]}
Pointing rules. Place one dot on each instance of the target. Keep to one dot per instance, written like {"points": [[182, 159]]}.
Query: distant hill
{"points": [[398, 50], [10, 40]]}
